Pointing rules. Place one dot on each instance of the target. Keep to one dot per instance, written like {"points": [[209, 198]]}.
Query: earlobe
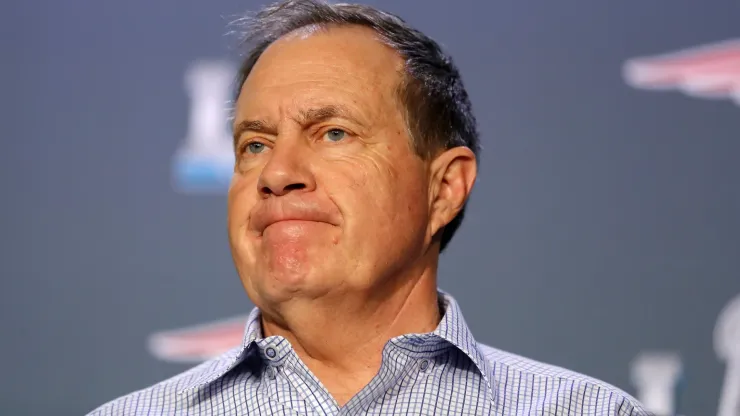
{"points": [[454, 172]]}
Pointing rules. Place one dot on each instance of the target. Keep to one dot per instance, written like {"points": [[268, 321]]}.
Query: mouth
{"points": [[293, 222], [290, 213], [292, 229]]}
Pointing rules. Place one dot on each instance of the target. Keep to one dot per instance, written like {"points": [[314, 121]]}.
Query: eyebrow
{"points": [[305, 118], [257, 126]]}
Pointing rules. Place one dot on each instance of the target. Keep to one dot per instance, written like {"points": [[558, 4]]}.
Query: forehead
{"points": [[341, 65]]}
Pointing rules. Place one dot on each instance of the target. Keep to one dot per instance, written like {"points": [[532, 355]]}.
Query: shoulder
{"points": [[556, 389], [167, 397]]}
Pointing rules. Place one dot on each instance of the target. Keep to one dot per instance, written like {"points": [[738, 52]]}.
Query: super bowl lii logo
{"points": [[658, 377], [204, 162]]}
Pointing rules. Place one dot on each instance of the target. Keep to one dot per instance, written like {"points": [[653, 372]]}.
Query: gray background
{"points": [[604, 223]]}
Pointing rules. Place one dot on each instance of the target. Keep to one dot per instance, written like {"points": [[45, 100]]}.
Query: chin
{"points": [[280, 272], [292, 280]]}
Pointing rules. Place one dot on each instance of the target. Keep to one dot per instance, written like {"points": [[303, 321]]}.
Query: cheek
{"points": [[378, 198], [240, 200]]}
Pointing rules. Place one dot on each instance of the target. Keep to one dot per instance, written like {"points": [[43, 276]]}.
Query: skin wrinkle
{"points": [[338, 292]]}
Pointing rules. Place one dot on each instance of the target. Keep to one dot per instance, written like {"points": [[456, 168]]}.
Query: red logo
{"points": [[708, 71], [199, 342]]}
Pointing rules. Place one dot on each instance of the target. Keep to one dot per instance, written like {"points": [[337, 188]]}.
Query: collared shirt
{"points": [[445, 372]]}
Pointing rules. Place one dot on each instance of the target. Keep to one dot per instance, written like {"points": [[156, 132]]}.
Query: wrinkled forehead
{"points": [[350, 66]]}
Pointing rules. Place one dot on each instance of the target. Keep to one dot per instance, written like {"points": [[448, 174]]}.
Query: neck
{"points": [[341, 339]]}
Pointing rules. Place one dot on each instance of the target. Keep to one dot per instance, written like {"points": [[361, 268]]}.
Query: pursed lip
{"points": [[273, 210]]}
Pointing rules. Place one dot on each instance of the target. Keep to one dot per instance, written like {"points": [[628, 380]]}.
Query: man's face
{"points": [[328, 195]]}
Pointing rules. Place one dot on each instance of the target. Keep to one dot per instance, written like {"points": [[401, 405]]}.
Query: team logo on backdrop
{"points": [[198, 343], [204, 162], [708, 71]]}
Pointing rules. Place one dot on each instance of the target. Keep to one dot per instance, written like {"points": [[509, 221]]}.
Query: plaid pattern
{"points": [[445, 372]]}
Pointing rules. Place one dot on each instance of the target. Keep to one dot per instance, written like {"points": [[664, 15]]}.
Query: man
{"points": [[355, 155]]}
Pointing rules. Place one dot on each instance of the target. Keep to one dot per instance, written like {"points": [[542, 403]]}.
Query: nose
{"points": [[288, 170]]}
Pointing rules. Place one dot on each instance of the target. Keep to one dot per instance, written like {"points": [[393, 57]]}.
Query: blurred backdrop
{"points": [[603, 234]]}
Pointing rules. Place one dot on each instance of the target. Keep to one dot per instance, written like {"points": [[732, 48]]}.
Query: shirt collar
{"points": [[452, 329]]}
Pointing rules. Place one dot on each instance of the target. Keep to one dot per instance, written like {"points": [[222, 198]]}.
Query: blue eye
{"points": [[255, 147], [335, 135]]}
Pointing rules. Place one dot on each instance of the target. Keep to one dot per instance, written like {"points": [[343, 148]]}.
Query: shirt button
{"points": [[270, 352], [424, 365]]}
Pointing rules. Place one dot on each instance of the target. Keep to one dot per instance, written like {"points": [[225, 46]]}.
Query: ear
{"points": [[453, 174]]}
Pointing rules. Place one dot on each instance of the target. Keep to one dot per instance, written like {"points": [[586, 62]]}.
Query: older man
{"points": [[355, 155]]}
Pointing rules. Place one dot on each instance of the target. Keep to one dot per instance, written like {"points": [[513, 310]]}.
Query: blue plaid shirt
{"points": [[445, 372]]}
